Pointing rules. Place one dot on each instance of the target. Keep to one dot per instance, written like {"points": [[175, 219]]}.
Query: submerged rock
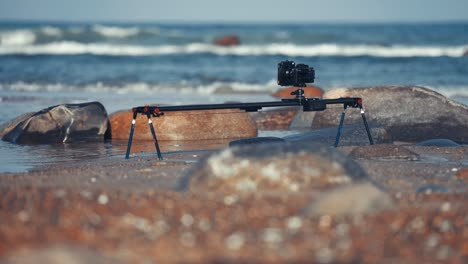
{"points": [[351, 135], [408, 113], [273, 168], [186, 125], [61, 123], [351, 200], [255, 140], [438, 143]]}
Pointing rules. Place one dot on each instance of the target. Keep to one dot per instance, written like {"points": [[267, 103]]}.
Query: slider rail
{"points": [[308, 104], [354, 102]]}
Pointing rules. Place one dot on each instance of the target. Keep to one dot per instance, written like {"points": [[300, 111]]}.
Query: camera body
{"points": [[290, 73]]}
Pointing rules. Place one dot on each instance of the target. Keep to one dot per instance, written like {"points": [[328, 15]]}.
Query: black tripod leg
{"points": [[371, 141], [340, 127], [130, 137], [156, 144]]}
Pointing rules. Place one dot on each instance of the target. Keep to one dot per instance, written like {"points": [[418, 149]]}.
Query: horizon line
{"points": [[260, 22]]}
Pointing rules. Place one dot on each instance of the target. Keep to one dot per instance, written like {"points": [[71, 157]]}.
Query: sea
{"points": [[123, 65]]}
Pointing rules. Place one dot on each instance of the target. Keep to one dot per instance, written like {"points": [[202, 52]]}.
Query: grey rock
{"points": [[438, 143], [9, 125], [351, 135], [256, 140], [383, 151], [410, 114], [61, 123], [350, 200], [273, 168]]}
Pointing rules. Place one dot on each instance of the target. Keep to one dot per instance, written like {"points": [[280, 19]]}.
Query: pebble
{"points": [[235, 241], [187, 220], [325, 255], [103, 199], [294, 222], [445, 207], [272, 235]]}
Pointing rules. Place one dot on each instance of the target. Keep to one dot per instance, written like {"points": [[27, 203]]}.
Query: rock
{"points": [[61, 123], [383, 151], [309, 91], [410, 114], [278, 118], [438, 143], [273, 168], [59, 255], [255, 140], [10, 125], [351, 135], [186, 125], [228, 40], [350, 200]]}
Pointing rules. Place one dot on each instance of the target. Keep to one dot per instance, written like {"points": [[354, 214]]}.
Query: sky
{"points": [[236, 10]]}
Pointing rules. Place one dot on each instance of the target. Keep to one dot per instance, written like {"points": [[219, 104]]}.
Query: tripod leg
{"points": [[130, 137], [156, 144], [340, 127], [371, 141]]}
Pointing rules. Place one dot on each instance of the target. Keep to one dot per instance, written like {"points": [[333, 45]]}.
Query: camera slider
{"points": [[308, 104]]}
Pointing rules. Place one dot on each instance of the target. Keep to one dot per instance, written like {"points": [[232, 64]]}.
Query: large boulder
{"points": [[410, 114], [60, 123], [276, 118], [186, 125], [351, 135], [276, 168]]}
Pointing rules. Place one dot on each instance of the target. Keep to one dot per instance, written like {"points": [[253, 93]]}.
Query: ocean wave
{"points": [[19, 37], [75, 48], [185, 87], [116, 32], [182, 87]]}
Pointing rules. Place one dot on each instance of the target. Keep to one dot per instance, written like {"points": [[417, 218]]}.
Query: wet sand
{"points": [[116, 210]]}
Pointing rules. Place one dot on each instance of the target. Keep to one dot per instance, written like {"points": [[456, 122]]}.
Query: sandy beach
{"points": [[116, 210]]}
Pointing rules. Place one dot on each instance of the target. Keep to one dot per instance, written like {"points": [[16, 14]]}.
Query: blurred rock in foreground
{"points": [[274, 168]]}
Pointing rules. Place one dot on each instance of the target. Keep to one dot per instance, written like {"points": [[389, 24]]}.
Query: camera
{"points": [[290, 73]]}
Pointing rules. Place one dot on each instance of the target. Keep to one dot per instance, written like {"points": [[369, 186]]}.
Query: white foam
{"points": [[145, 88], [51, 31], [115, 32], [72, 48], [16, 38]]}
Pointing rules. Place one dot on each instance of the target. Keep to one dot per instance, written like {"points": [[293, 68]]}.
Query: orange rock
{"points": [[273, 119], [186, 125], [462, 173], [309, 91], [228, 40]]}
